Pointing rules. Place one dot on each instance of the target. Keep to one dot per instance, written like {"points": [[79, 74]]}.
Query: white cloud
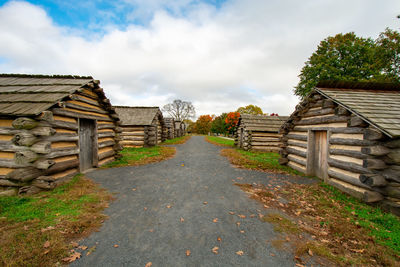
{"points": [[247, 52]]}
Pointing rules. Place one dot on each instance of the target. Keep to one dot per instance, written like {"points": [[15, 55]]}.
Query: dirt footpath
{"points": [[174, 213]]}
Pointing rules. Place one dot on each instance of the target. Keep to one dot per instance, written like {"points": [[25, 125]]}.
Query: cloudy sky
{"points": [[218, 54]]}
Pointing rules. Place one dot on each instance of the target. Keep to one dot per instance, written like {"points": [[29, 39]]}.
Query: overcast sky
{"points": [[219, 55]]}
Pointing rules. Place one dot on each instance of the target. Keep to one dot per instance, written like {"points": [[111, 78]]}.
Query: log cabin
{"points": [[52, 127], [348, 134], [169, 129], [259, 132], [141, 126], [178, 128]]}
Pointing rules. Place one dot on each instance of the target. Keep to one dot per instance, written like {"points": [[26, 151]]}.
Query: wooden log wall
{"points": [[38, 152], [133, 136], [361, 160], [169, 129], [257, 140], [242, 142]]}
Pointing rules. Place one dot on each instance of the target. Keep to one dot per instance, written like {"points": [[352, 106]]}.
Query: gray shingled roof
{"points": [[377, 104], [29, 95], [137, 115], [262, 123]]}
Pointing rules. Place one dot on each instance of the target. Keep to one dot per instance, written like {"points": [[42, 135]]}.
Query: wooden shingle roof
{"points": [[376, 103], [29, 95], [137, 115], [262, 123]]}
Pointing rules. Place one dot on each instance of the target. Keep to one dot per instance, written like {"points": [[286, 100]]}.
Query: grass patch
{"points": [[133, 156], [339, 227], [220, 141], [265, 161], [37, 230], [281, 224], [177, 141]]}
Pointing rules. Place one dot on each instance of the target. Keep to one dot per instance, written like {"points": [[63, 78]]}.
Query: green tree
{"points": [[388, 48], [342, 57], [219, 125], [250, 109]]}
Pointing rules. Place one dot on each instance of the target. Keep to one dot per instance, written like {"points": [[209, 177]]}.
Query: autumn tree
{"points": [[219, 125], [203, 124], [231, 120], [180, 110], [250, 109]]}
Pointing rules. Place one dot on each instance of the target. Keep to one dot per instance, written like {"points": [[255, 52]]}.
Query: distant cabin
{"points": [[259, 132], [169, 130], [141, 126], [179, 128], [348, 134], [52, 127]]}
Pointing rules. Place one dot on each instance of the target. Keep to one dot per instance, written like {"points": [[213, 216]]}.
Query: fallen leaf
{"points": [[133, 189], [73, 257], [242, 216], [115, 246], [310, 252], [83, 247], [215, 250], [298, 259], [215, 220], [74, 244], [252, 215], [26, 227], [358, 250], [219, 239], [151, 230], [187, 252], [299, 265], [240, 253], [231, 213], [91, 250], [205, 202], [272, 254], [238, 223], [182, 220], [242, 231], [46, 252], [46, 244], [183, 165], [169, 206], [47, 229], [145, 208], [148, 264]]}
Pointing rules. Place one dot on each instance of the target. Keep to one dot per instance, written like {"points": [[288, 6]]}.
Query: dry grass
{"points": [[38, 230], [329, 226]]}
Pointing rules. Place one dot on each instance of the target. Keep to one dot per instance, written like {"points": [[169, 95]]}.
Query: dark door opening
{"points": [[87, 144]]}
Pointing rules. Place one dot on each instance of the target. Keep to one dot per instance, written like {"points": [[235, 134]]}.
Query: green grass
{"points": [[46, 209], [220, 141], [141, 155], [385, 227], [265, 160]]}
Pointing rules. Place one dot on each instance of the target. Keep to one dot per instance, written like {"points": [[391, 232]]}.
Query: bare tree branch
{"points": [[180, 110]]}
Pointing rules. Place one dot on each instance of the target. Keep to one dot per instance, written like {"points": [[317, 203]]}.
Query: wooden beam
{"points": [[348, 166], [373, 180], [349, 153], [322, 120]]}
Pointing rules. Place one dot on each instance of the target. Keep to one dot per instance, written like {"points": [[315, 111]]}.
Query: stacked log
{"points": [[362, 161], [169, 128], [38, 152]]}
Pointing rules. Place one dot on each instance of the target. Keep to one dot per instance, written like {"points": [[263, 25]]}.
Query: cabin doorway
{"points": [[87, 144], [317, 163]]}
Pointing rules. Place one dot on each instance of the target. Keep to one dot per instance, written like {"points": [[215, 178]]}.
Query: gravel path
{"points": [[196, 185]]}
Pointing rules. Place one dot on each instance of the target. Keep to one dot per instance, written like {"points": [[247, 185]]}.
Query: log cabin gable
{"points": [[358, 150], [43, 114]]}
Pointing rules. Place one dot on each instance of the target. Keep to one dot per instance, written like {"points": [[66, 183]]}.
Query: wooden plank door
{"points": [[87, 146], [320, 154]]}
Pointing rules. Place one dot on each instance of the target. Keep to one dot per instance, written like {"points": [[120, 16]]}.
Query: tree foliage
{"points": [[250, 109], [231, 120], [180, 110], [219, 125], [348, 57], [203, 124]]}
